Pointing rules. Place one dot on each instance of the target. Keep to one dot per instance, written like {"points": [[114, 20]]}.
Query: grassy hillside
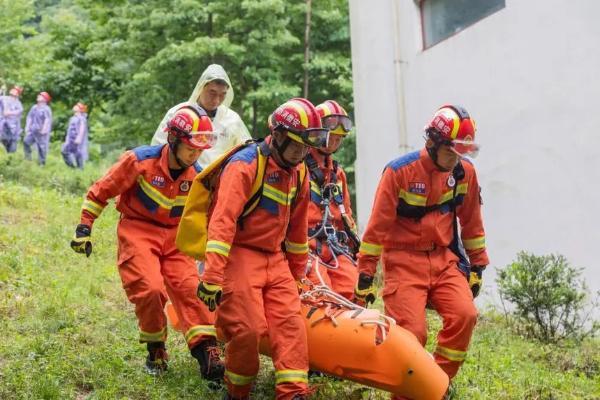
{"points": [[69, 332]]}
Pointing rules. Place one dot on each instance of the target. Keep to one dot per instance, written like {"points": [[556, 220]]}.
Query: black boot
{"points": [[208, 355], [156, 362]]}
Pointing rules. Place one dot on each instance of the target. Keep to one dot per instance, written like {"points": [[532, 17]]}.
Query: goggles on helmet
{"points": [[203, 140], [313, 137], [331, 122], [465, 148]]}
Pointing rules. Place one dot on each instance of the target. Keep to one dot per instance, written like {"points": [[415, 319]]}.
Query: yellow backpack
{"points": [[192, 233]]}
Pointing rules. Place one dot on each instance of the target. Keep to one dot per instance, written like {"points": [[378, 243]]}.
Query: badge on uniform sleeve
{"points": [[451, 181], [184, 186]]}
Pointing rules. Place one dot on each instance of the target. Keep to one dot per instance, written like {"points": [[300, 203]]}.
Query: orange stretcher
{"points": [[364, 346]]}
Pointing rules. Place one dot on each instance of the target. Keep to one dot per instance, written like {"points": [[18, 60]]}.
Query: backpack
{"points": [[192, 233]]}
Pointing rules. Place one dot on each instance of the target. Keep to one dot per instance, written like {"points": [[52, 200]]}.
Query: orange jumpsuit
{"points": [[344, 278], [419, 268], [151, 204], [247, 258]]}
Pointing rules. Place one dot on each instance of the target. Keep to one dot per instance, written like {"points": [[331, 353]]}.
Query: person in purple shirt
{"points": [[10, 126], [38, 128], [75, 148]]}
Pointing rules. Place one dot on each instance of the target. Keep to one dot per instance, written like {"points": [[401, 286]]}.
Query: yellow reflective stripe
{"points": [[291, 375], [277, 195], [159, 336], [460, 189], [92, 207], [200, 330], [450, 354], [475, 243], [239, 380], [158, 197], [180, 201], [370, 249], [296, 248], [412, 198], [215, 246]]}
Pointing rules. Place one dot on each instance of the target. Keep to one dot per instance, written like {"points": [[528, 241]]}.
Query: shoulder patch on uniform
{"points": [[467, 160], [146, 152], [403, 160], [246, 155]]}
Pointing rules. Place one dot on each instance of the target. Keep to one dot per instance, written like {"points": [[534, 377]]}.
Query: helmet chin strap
{"points": [[173, 145], [433, 151], [281, 149]]}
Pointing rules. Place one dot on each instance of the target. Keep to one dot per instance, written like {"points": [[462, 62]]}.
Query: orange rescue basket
{"points": [[364, 346]]}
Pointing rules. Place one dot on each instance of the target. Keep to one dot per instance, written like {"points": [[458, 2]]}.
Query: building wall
{"points": [[528, 75]]}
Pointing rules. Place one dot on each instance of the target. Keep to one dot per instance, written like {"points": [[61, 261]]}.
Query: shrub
{"points": [[549, 298]]}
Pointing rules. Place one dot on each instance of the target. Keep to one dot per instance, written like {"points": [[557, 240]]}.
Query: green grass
{"points": [[68, 331]]}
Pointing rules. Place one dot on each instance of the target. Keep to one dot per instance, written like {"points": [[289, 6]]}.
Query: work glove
{"points": [[475, 279], [210, 294], [81, 242], [365, 291]]}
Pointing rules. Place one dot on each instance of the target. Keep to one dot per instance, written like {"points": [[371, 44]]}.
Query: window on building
{"points": [[444, 18]]}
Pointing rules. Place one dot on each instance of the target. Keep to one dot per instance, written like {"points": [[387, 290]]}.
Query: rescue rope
{"points": [[334, 304]]}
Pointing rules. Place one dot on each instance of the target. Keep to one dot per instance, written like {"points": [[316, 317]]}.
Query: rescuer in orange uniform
{"points": [[413, 226], [334, 238], [153, 184], [253, 264]]}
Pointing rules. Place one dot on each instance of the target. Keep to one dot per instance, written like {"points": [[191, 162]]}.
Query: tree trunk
{"points": [[307, 46]]}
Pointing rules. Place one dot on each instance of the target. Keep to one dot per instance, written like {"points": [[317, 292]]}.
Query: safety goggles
{"points": [[313, 137], [334, 121], [466, 148], [203, 139]]}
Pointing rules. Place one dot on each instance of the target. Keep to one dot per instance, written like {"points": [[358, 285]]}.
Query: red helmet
{"points": [[300, 119], [192, 126], [46, 96], [452, 125], [334, 118]]}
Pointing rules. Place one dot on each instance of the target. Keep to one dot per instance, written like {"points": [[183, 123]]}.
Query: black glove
{"points": [[365, 291], [81, 242], [210, 294], [475, 279]]}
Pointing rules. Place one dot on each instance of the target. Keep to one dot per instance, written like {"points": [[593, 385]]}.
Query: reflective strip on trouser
{"points": [[159, 336], [260, 298], [153, 270], [237, 379], [290, 375], [412, 278], [451, 354], [200, 330]]}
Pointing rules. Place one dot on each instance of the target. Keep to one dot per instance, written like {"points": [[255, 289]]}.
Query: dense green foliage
{"points": [[69, 331], [549, 296], [132, 60]]}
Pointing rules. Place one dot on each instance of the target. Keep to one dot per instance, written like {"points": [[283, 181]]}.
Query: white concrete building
{"points": [[528, 74]]}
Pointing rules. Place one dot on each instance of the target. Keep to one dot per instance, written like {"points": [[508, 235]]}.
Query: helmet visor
{"points": [[332, 122], [203, 139], [465, 148], [313, 137]]}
